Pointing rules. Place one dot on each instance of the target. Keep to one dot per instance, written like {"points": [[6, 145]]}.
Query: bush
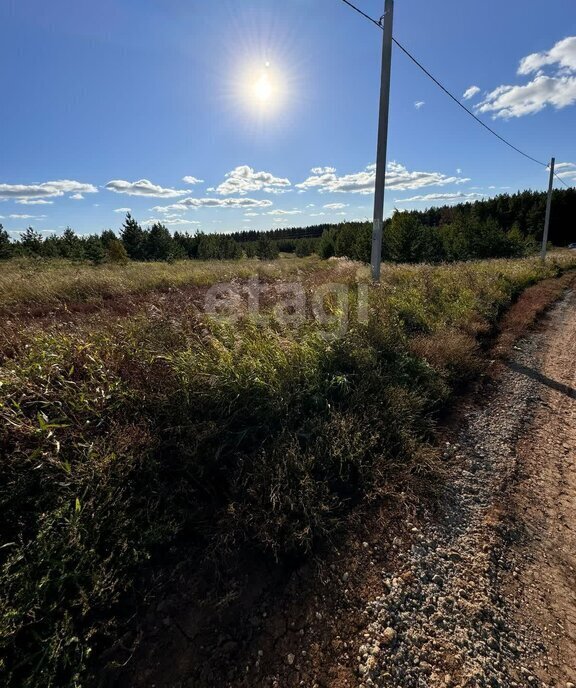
{"points": [[116, 253]]}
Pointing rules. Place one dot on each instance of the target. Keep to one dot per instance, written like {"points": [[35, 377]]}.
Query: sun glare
{"points": [[264, 88]]}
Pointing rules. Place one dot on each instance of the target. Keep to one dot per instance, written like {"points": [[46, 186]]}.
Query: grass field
{"points": [[169, 433], [52, 283]]}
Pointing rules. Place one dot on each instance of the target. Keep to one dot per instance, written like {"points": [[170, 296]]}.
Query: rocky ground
{"points": [[480, 591]]}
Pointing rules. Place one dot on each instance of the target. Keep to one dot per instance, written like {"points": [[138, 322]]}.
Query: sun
{"points": [[264, 87]]}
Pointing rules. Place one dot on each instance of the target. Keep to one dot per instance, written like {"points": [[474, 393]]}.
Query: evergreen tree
{"points": [[405, 239], [93, 249], [186, 246], [6, 246], [106, 237], [31, 242], [266, 249], [304, 247], [326, 247], [52, 247], [159, 243], [517, 243], [70, 246], [133, 238], [217, 247]]}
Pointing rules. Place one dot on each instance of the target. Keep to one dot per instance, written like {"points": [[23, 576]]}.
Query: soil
{"points": [[475, 586]]}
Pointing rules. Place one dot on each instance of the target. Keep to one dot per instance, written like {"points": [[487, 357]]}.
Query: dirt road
{"points": [[479, 591], [486, 595]]}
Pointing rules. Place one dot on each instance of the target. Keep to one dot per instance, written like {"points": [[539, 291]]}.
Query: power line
{"points": [[366, 16], [561, 180], [446, 91]]}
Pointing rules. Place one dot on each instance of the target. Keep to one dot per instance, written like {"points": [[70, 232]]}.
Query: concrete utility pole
{"points": [[388, 19], [548, 209]]}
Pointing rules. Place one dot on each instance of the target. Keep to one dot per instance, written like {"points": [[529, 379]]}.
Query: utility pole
{"points": [[388, 19], [548, 209]]}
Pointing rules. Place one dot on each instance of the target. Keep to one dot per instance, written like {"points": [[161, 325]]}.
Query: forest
{"points": [[508, 225]]}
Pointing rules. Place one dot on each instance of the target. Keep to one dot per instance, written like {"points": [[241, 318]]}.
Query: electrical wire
{"points": [[561, 180], [446, 91]]}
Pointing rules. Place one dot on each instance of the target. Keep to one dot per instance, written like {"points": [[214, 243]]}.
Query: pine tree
{"points": [[266, 249], [94, 249], [132, 237], [6, 246], [159, 243], [107, 236], [70, 245], [31, 242]]}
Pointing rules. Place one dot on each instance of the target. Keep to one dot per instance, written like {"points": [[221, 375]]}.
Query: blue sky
{"points": [[250, 114]]}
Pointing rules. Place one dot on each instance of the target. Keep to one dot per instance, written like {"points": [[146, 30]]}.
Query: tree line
{"points": [[507, 225], [504, 226], [133, 242]]}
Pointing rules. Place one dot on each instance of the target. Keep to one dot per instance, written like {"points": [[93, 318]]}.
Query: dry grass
{"points": [[123, 440], [56, 282]]}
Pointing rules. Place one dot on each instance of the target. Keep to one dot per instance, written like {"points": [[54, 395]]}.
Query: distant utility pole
{"points": [[388, 20], [548, 209]]}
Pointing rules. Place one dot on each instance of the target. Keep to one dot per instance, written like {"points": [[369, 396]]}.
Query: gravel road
{"points": [[487, 595]]}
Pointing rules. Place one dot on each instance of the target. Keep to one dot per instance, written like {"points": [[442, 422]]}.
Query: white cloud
{"points": [[458, 170], [562, 54], [251, 214], [187, 203], [471, 92], [32, 201], [243, 179], [18, 216], [77, 197], [568, 171], [323, 170], [123, 210], [273, 190], [25, 193], [317, 214], [557, 90], [335, 206], [170, 221], [439, 197], [192, 180], [516, 101], [419, 104], [284, 212], [142, 187], [397, 177]]}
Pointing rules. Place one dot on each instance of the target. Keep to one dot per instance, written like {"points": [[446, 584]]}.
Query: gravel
{"points": [[444, 611]]}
